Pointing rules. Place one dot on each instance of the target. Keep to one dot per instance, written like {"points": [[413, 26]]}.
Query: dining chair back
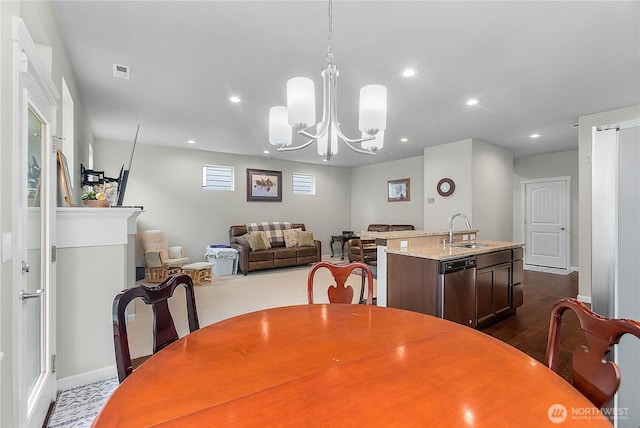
{"points": [[594, 376], [164, 330], [357, 252], [341, 293]]}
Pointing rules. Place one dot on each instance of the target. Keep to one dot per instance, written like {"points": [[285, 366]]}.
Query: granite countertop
{"points": [[410, 233], [447, 252]]}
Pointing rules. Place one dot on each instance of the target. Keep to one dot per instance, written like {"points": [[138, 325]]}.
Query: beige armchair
{"points": [[161, 259]]}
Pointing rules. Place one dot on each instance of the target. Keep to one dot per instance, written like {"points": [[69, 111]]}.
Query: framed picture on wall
{"points": [[399, 190], [264, 185]]}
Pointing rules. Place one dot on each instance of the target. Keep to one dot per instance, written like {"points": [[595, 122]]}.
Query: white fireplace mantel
{"points": [[91, 227], [95, 261]]}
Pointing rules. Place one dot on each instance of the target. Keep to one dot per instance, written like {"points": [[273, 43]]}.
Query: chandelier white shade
{"points": [[279, 129], [301, 102], [300, 114], [373, 108]]}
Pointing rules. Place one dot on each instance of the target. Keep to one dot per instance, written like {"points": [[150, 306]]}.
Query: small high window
{"points": [[217, 177], [304, 184]]}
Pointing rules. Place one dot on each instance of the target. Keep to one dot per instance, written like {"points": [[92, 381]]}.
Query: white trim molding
{"points": [[92, 227]]}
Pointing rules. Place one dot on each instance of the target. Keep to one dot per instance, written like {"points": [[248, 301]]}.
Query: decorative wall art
{"points": [[399, 190], [264, 185], [446, 187]]}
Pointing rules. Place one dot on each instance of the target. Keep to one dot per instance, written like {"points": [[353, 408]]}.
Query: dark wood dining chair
{"points": [[164, 329], [338, 292], [357, 253], [594, 376]]}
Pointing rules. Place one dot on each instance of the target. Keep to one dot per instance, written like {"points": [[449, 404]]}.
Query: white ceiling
{"points": [[535, 67]]}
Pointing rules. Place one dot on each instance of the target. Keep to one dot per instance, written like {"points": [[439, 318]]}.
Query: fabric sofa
{"points": [[279, 255]]}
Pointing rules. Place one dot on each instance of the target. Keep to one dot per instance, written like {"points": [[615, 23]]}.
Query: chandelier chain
{"points": [[330, 47]]}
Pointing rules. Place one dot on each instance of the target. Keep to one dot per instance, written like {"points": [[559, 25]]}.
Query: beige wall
{"points": [[167, 182], [561, 164], [452, 160], [585, 140], [369, 194], [492, 198], [482, 173]]}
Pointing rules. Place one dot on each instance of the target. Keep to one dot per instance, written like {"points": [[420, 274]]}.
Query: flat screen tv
{"points": [[123, 177]]}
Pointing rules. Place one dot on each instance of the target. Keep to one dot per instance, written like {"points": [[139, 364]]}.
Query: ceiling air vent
{"points": [[121, 71]]}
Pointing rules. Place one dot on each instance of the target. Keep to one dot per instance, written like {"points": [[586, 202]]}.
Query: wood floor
{"points": [[529, 328]]}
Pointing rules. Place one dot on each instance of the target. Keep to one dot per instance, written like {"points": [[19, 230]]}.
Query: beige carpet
{"points": [[228, 296]]}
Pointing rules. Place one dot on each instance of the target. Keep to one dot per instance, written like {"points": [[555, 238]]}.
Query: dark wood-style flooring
{"points": [[529, 328]]}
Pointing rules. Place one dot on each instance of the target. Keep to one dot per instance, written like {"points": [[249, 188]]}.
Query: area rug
{"points": [[78, 407]]}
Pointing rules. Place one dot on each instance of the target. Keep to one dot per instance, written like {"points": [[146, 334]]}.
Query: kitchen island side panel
{"points": [[412, 283]]}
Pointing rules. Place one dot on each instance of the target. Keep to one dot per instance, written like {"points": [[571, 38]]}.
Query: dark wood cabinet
{"points": [[517, 277], [413, 283], [493, 286]]}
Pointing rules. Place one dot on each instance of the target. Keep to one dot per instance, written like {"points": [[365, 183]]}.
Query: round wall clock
{"points": [[446, 187]]}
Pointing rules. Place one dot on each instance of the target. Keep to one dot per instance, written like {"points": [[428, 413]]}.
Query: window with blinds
{"points": [[217, 177], [304, 184]]}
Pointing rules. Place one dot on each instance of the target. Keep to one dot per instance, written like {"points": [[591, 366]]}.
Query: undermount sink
{"points": [[471, 245]]}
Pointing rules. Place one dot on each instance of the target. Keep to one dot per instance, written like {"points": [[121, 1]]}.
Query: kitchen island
{"points": [[475, 283]]}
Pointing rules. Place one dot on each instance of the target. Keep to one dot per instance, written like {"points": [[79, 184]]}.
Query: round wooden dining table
{"points": [[337, 365]]}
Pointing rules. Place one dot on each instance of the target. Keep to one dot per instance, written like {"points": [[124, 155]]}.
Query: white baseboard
{"points": [[87, 377], [574, 268], [584, 299]]}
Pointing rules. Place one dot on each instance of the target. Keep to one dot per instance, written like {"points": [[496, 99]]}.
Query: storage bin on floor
{"points": [[224, 259]]}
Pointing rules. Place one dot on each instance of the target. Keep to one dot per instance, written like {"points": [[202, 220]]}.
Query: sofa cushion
{"points": [[291, 237], [256, 242], [284, 253], [261, 255], [265, 238], [242, 239], [274, 229], [306, 252], [305, 239]]}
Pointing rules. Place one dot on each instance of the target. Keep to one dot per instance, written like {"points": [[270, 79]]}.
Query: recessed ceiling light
{"points": [[534, 135], [404, 140], [234, 99], [266, 152], [472, 102], [409, 72], [191, 141]]}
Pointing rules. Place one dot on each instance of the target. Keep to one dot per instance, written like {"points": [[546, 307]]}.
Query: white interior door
{"points": [[34, 209], [547, 223]]}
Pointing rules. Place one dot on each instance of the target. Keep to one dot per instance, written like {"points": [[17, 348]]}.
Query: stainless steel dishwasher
{"points": [[457, 291]]}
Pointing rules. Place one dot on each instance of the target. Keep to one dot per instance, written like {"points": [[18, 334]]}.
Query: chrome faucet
{"points": [[451, 225]]}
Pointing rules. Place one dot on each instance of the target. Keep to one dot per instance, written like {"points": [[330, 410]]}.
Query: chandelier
{"points": [[300, 113]]}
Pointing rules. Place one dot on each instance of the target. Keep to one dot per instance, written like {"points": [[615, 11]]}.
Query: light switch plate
{"points": [[7, 247]]}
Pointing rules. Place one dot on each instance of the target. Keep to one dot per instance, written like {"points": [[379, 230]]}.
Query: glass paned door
{"points": [[34, 307]]}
